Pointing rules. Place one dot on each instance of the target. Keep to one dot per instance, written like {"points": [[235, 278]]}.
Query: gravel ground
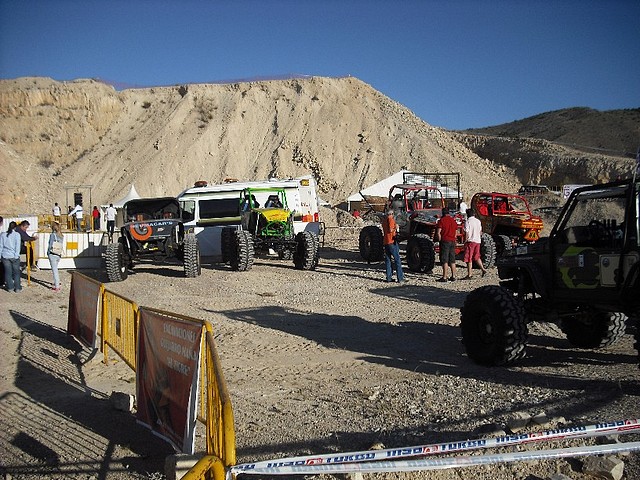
{"points": [[333, 360]]}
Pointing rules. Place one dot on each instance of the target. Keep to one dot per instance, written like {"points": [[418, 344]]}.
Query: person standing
{"points": [[462, 208], [473, 230], [54, 258], [77, 213], [111, 221], [27, 244], [57, 212], [446, 234], [95, 215], [10, 253], [391, 250]]}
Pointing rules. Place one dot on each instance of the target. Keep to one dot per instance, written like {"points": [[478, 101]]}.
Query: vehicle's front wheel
{"points": [[117, 262], [494, 328], [421, 253], [192, 267], [593, 329], [370, 244], [242, 252]]}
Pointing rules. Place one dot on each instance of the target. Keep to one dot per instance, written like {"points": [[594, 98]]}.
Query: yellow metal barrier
{"points": [[119, 329]]}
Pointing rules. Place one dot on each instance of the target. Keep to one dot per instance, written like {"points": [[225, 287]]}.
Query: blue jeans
{"points": [[54, 260], [12, 274], [392, 251]]}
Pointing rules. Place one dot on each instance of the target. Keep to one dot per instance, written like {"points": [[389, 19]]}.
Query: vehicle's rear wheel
{"points": [[192, 267], [594, 329], [370, 243], [117, 262], [421, 253], [241, 255], [307, 251], [494, 327], [487, 251], [502, 243], [226, 243]]}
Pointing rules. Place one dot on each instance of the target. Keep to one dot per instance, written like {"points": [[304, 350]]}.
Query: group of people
{"points": [[446, 229], [75, 217], [14, 242]]}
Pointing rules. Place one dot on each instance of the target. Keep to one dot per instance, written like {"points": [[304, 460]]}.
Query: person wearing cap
{"points": [[446, 235], [391, 250]]}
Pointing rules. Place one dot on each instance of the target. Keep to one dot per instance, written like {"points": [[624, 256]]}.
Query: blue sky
{"points": [[455, 63]]}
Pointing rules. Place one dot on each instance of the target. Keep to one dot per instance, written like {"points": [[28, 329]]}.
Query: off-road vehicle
{"points": [[153, 232], [507, 218], [267, 230], [417, 208], [585, 277]]}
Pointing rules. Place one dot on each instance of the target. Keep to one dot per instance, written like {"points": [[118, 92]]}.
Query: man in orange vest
{"points": [[391, 250]]}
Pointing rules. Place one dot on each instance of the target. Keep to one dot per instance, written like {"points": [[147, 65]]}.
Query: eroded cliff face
{"points": [[163, 139]]}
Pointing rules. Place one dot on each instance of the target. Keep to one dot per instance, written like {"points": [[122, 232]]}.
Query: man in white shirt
{"points": [[111, 220], [462, 208], [77, 211], [473, 230]]}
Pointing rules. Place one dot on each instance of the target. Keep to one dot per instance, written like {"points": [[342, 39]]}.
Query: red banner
{"points": [[167, 377], [84, 301]]}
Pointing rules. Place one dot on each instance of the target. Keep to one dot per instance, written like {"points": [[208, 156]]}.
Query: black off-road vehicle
{"points": [[585, 277], [154, 232], [267, 230]]}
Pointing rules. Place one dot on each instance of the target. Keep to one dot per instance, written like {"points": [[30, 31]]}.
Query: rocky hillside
{"points": [[575, 145], [55, 135]]}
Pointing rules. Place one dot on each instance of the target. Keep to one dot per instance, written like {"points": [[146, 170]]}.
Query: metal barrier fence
{"points": [[118, 325]]}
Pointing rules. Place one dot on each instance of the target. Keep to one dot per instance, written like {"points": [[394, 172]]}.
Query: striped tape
{"points": [[393, 454]]}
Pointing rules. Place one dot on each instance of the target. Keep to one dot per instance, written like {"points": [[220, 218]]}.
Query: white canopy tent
{"points": [[131, 195]]}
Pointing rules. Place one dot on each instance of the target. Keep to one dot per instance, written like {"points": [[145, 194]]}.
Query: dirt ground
{"points": [[333, 360]]}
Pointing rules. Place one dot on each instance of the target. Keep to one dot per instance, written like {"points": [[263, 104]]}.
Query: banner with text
{"points": [[167, 377], [84, 303]]}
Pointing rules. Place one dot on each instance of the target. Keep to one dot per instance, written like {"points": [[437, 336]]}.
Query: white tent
{"points": [[380, 189], [132, 195]]}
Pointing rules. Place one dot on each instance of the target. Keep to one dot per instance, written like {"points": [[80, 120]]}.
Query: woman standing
{"points": [[54, 258], [10, 253]]}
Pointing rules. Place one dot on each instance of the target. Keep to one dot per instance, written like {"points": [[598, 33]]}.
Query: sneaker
{"points": [[452, 279], [442, 280], [404, 280], [18, 290], [484, 272]]}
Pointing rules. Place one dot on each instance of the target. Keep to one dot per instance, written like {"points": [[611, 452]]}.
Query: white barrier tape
{"points": [[445, 463], [598, 429]]}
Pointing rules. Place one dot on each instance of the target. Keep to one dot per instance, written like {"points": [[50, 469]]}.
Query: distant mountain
{"points": [[612, 132]]}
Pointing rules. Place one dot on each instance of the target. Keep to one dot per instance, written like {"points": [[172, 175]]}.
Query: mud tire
{"points": [[487, 251], [242, 251], [502, 243], [494, 328], [226, 243], [420, 253], [117, 262], [192, 267], [594, 329], [307, 251], [370, 243]]}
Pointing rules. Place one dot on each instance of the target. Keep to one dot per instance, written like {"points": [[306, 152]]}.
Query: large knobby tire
{"points": [[307, 251], [241, 255], [370, 243], [192, 267], [420, 253], [503, 244], [226, 243], [494, 327], [116, 262], [594, 329], [487, 251], [637, 338]]}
